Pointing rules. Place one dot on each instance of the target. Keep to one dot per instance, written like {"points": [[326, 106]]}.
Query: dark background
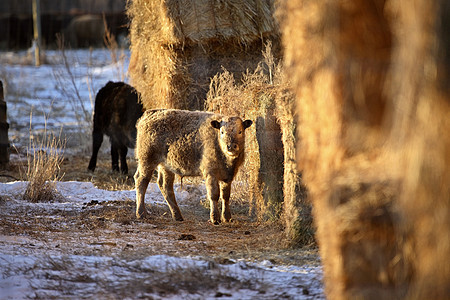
{"points": [[16, 20]]}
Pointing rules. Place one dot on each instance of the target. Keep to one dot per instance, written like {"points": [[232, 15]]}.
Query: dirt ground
{"points": [[111, 227]]}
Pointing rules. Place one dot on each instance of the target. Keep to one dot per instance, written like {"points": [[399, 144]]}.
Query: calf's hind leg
{"points": [[165, 183], [141, 179], [114, 156], [123, 150]]}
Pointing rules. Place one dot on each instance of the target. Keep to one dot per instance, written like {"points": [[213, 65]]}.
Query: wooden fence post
{"points": [[37, 31]]}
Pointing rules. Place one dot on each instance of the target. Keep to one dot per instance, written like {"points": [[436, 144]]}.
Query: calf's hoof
{"points": [[141, 214], [214, 218], [214, 222], [178, 218], [227, 220]]}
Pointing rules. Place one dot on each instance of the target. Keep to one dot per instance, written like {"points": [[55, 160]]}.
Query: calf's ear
{"points": [[215, 124], [247, 123]]}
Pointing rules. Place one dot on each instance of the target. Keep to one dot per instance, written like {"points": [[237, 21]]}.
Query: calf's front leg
{"points": [[225, 190], [212, 189]]}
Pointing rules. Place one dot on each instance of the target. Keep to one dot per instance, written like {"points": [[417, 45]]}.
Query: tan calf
{"points": [[189, 143]]}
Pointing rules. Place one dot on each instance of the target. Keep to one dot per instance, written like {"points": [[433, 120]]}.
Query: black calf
{"points": [[116, 111]]}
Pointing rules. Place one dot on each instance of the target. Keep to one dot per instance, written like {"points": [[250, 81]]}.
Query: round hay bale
{"points": [[177, 46]]}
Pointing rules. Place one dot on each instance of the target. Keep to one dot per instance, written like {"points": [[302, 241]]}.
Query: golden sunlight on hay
{"points": [[371, 81], [177, 46]]}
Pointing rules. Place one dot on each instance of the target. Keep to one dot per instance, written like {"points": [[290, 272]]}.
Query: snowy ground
{"points": [[53, 250], [59, 95], [34, 267]]}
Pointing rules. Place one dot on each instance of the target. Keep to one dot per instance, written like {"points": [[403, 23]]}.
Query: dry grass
{"points": [[44, 161]]}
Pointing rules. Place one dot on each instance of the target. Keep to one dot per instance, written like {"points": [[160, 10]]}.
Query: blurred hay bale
{"points": [[177, 46], [419, 141], [371, 80]]}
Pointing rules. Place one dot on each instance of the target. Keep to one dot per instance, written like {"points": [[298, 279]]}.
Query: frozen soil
{"points": [[89, 243]]}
